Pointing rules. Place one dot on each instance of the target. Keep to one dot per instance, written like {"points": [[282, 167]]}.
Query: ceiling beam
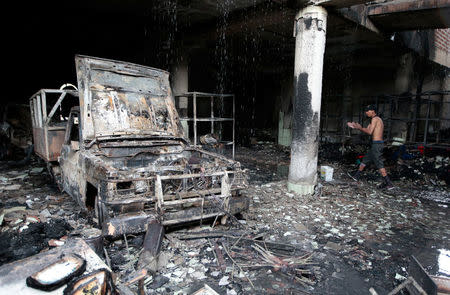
{"points": [[405, 6], [410, 15], [338, 3], [358, 15]]}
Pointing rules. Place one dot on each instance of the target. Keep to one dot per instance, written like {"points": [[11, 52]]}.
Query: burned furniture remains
{"points": [[120, 152]]}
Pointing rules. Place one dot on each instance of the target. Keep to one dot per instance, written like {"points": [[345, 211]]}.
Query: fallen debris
{"points": [[355, 234], [149, 258], [98, 282], [58, 273], [49, 269], [28, 238], [205, 290]]}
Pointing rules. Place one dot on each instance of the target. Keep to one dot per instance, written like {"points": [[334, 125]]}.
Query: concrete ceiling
{"points": [[52, 32], [403, 15]]}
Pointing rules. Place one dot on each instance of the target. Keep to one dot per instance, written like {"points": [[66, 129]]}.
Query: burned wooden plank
{"points": [[219, 256]]}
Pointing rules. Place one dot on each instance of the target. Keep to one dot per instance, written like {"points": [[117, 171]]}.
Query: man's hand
{"points": [[368, 130], [354, 125]]}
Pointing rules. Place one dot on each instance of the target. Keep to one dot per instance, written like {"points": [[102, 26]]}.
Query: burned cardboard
{"points": [[58, 273]]}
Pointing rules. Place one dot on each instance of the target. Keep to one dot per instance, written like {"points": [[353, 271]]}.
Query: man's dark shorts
{"points": [[374, 154]]}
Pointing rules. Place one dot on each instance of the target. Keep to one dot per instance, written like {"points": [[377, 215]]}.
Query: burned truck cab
{"points": [[124, 155]]}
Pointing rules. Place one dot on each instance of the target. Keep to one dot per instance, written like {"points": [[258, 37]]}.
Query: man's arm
{"points": [[369, 130]]}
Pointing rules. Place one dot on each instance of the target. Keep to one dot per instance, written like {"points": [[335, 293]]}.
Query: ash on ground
{"points": [[345, 239]]}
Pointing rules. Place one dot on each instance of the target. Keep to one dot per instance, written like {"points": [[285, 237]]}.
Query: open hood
{"points": [[122, 99]]}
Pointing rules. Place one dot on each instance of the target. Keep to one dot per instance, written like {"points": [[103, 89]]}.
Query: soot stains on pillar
{"points": [[308, 22], [306, 121], [305, 134]]}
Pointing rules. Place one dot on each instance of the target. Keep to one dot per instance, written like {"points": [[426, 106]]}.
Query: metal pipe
{"points": [[195, 118], [55, 107], [426, 124], [212, 114], [234, 141]]}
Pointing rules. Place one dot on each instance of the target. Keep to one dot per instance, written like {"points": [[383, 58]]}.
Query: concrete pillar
{"points": [[445, 111], [347, 111], [180, 85], [403, 84], [309, 30], [285, 113]]}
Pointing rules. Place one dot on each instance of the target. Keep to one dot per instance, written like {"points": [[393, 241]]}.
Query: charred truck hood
{"points": [[119, 99]]}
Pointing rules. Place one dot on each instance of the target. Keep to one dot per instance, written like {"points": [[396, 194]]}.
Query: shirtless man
{"points": [[374, 154]]}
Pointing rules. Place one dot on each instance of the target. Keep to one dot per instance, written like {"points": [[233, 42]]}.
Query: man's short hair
{"points": [[370, 107]]}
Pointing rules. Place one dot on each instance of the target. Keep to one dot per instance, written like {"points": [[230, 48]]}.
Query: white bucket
{"points": [[326, 173]]}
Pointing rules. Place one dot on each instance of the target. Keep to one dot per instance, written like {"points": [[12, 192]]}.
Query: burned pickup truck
{"points": [[120, 151]]}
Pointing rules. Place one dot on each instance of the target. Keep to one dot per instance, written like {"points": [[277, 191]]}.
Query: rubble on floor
{"points": [[348, 238], [44, 270]]}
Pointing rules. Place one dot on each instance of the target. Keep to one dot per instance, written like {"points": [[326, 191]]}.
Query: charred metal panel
{"points": [[118, 98], [40, 145], [153, 238], [49, 131], [127, 223], [135, 223], [73, 175], [236, 205], [48, 143], [55, 139]]}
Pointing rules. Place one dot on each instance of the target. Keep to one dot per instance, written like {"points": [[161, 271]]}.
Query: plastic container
{"points": [[326, 173]]}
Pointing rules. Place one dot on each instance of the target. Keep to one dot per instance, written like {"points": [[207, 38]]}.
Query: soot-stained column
{"points": [[309, 31], [180, 85]]}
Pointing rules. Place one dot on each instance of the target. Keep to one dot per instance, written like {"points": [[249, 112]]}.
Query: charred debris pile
{"points": [[422, 165], [228, 259], [283, 241]]}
